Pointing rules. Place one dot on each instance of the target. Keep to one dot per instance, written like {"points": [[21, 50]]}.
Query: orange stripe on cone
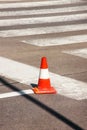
{"points": [[44, 86]]}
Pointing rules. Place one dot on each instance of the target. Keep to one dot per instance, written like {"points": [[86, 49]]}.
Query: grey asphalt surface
{"points": [[49, 111]]}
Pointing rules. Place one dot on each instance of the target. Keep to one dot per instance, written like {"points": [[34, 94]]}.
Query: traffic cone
{"points": [[44, 86]]}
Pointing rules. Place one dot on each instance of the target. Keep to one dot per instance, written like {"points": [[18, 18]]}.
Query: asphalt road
{"points": [[30, 30]]}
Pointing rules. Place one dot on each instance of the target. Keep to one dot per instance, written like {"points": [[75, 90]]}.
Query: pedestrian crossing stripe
{"points": [[42, 20], [8, 0], [57, 40], [27, 74], [13, 94], [43, 11], [36, 4], [77, 52], [42, 30]]}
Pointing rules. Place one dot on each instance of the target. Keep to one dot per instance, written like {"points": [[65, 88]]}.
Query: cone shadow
{"points": [[42, 106], [33, 85]]}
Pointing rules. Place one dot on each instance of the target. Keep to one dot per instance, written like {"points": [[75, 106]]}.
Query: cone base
{"points": [[45, 91]]}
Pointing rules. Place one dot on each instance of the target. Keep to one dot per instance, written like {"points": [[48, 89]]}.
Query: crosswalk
{"points": [[43, 18], [57, 22]]}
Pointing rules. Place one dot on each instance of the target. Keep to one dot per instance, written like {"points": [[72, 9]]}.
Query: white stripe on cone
{"points": [[44, 74]]}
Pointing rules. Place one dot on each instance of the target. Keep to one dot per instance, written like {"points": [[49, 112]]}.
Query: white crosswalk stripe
{"points": [[36, 4], [43, 11], [78, 52], [42, 30], [57, 41], [42, 20]]}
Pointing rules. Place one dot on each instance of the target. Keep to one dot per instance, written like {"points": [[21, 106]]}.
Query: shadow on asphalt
{"points": [[41, 105]]}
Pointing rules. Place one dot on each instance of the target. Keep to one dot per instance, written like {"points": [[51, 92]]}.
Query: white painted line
{"points": [[9, 0], [36, 4], [78, 52], [13, 94], [57, 40], [20, 72], [42, 30], [43, 11], [41, 20], [27, 74]]}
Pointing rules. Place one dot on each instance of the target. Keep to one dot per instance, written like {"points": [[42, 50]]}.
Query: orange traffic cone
{"points": [[44, 86]]}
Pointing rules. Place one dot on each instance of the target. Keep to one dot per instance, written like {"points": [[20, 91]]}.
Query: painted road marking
{"points": [[57, 40], [36, 4], [43, 11], [13, 94], [42, 30], [78, 52], [9, 0], [41, 20], [27, 74]]}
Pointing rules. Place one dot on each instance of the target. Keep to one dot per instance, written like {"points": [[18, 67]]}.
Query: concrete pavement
{"points": [[67, 62]]}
